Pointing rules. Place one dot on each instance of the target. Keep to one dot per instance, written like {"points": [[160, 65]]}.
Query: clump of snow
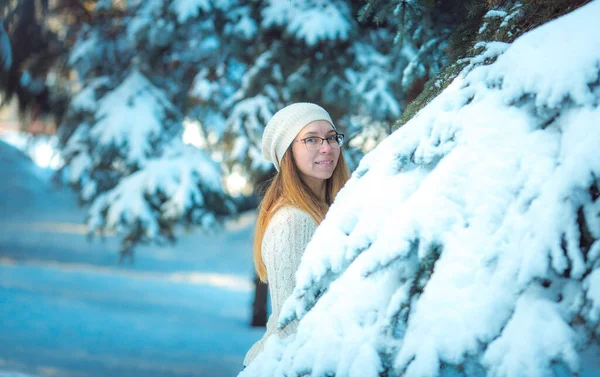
{"points": [[310, 21], [203, 88], [491, 51], [83, 48], [554, 64], [182, 177], [247, 118], [187, 9], [131, 117], [505, 16], [245, 27], [373, 78], [533, 318], [147, 12], [85, 99], [495, 14], [456, 246], [515, 11]]}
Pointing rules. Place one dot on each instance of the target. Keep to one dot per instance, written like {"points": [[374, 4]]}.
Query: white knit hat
{"points": [[285, 125]]}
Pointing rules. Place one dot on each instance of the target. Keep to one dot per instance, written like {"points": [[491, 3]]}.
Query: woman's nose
{"points": [[325, 147]]}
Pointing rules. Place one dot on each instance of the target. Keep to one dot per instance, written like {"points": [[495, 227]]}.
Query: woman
{"points": [[303, 144]]}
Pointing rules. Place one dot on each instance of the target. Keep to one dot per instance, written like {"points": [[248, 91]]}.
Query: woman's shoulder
{"points": [[290, 214]]}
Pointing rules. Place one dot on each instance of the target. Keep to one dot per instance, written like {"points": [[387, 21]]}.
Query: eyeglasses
{"points": [[315, 142]]}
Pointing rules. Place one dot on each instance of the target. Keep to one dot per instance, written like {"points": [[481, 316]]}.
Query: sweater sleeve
{"points": [[283, 247], [284, 241]]}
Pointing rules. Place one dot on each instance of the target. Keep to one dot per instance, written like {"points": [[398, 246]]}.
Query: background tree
{"points": [[143, 74], [220, 69], [122, 133], [316, 51], [31, 50]]}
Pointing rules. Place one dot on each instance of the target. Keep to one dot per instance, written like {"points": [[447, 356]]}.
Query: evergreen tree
{"points": [[472, 230], [123, 130], [30, 50], [144, 69], [312, 51]]}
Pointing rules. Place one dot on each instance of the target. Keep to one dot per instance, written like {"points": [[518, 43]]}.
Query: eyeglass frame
{"points": [[323, 140]]}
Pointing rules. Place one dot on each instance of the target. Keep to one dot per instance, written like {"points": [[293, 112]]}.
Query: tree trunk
{"points": [[259, 306]]}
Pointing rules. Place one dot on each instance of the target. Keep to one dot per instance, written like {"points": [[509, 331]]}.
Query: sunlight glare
{"points": [[236, 183], [192, 134], [45, 155]]}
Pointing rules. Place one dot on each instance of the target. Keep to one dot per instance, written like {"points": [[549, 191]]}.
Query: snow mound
{"points": [[467, 242], [27, 188]]}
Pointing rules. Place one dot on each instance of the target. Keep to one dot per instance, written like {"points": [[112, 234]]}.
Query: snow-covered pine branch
{"points": [[310, 21], [468, 242], [79, 170], [182, 186], [127, 159], [246, 122], [98, 52], [126, 125], [374, 77], [189, 9]]}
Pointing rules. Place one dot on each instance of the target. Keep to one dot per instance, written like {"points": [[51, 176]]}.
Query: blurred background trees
{"points": [[159, 105], [136, 87]]}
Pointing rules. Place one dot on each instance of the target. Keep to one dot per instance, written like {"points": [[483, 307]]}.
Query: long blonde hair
{"points": [[287, 188]]}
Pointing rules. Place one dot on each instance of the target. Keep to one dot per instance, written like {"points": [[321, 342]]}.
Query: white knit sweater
{"points": [[283, 244]]}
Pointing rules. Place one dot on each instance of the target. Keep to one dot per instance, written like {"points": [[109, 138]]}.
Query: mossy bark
{"points": [[475, 28]]}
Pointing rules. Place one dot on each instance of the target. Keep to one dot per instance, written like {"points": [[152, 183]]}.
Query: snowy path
{"points": [[67, 308], [150, 318]]}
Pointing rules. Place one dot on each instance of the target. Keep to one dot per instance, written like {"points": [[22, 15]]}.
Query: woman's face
{"points": [[315, 165]]}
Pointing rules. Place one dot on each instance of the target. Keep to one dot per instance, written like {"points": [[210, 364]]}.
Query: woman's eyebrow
{"points": [[314, 133]]}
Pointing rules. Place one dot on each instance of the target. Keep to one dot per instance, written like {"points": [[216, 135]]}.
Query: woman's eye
{"points": [[310, 140], [331, 138]]}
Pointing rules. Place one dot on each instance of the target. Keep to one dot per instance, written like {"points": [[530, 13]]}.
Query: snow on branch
{"points": [[134, 115], [187, 9], [116, 131], [375, 79], [183, 186], [247, 121], [86, 99], [310, 21], [468, 242]]}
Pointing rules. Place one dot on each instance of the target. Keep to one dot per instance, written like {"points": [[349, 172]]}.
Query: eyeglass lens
{"points": [[334, 141]]}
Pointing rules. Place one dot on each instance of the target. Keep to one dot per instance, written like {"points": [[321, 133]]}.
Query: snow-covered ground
{"points": [[68, 307]]}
